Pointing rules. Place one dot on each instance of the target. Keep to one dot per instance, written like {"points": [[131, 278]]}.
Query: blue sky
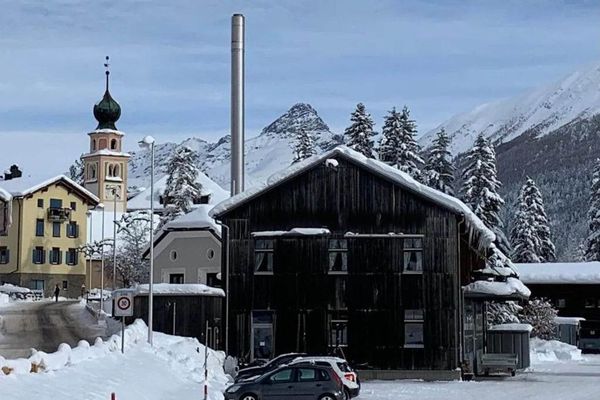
{"points": [[170, 61]]}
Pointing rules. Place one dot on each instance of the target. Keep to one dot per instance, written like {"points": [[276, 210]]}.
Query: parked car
{"points": [[302, 382], [256, 371], [347, 375]]}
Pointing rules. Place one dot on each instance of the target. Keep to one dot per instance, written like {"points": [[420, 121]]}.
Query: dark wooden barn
{"points": [[341, 253]]}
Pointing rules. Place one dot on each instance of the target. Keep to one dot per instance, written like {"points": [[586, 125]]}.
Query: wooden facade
{"points": [[386, 300], [570, 299]]}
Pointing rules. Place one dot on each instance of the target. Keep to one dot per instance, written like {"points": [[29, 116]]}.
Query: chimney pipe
{"points": [[237, 104]]}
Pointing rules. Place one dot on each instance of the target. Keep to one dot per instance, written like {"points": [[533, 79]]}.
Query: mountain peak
{"points": [[299, 116]]}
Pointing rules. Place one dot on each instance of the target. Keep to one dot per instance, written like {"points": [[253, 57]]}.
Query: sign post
{"points": [[123, 308]]}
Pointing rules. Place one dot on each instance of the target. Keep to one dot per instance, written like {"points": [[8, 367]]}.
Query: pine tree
{"points": [[439, 171], [390, 138], [530, 236], [358, 135], [540, 314], [592, 247], [480, 189], [304, 146], [182, 187], [76, 171]]}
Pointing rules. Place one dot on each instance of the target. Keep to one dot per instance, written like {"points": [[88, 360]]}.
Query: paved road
{"points": [[44, 325]]}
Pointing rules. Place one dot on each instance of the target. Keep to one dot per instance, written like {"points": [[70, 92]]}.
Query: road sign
{"points": [[123, 304]]}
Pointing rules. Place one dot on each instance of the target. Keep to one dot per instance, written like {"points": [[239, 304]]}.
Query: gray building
{"points": [[188, 250]]}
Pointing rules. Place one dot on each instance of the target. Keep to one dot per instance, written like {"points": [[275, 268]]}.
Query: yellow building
{"points": [[49, 224]]}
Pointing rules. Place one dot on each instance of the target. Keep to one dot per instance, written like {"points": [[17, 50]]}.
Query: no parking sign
{"points": [[123, 306]]}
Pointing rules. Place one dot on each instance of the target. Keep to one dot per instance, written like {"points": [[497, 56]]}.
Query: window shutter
{"points": [[59, 257], [7, 256], [33, 260], [76, 230], [43, 256]]}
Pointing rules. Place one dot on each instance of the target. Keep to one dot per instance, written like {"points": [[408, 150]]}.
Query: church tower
{"points": [[105, 166]]}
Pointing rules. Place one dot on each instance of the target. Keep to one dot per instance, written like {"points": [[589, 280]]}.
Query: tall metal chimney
{"points": [[237, 104]]}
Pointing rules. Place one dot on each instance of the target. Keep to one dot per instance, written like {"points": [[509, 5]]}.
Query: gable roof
{"points": [[24, 186], [482, 236]]}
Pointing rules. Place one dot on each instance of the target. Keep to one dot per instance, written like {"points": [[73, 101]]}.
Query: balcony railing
{"points": [[56, 214]]}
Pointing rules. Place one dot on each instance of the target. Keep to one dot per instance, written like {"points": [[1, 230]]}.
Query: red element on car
{"points": [[350, 376]]}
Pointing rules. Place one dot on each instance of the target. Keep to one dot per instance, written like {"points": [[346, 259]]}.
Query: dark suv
{"points": [[298, 382], [256, 371]]}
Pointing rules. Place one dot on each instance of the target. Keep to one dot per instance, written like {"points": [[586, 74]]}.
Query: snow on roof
{"points": [[196, 219], [106, 130], [5, 195], [141, 201], [293, 232], [25, 185], [511, 328], [484, 236], [106, 152], [181, 289], [568, 320], [560, 273], [512, 287]]}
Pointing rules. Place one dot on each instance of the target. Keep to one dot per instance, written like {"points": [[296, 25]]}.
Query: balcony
{"points": [[56, 214]]}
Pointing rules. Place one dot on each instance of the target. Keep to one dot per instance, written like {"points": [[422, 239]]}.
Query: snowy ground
{"points": [[569, 380]]}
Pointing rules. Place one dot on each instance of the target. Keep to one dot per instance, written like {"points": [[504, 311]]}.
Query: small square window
{"points": [[413, 261], [590, 302], [4, 255], [561, 303], [338, 255], [40, 203], [338, 333], [413, 334], [65, 285], [263, 256]]}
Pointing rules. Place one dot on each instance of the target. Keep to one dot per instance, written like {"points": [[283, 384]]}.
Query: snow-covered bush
{"points": [[502, 313], [540, 314]]}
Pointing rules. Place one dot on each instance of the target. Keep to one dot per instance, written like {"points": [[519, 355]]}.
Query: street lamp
{"points": [[115, 197], [89, 214], [148, 144], [101, 206]]}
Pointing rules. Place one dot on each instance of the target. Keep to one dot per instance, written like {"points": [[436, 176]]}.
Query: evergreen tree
{"points": [[390, 138], [592, 248], [76, 172], [358, 135], [304, 146], [480, 189], [530, 236], [182, 187], [439, 171]]}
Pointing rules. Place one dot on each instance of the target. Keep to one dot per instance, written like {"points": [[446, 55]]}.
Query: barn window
{"points": [[413, 328], [338, 255], [561, 303], [413, 255], [263, 256], [338, 333], [590, 302]]}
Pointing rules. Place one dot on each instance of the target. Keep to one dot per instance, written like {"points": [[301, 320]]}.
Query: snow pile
{"points": [[181, 289], [560, 273], [512, 287], [3, 298], [552, 351], [512, 328], [9, 288]]}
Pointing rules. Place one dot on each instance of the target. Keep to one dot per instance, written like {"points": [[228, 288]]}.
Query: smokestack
{"points": [[237, 104]]}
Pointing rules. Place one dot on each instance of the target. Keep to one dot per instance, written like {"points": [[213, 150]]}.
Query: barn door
{"points": [[263, 345]]}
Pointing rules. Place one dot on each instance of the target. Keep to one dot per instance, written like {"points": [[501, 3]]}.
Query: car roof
{"points": [[318, 358]]}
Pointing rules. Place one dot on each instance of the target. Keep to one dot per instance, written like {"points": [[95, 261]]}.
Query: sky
{"points": [[170, 63]]}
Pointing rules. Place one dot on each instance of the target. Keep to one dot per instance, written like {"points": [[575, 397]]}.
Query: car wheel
{"points": [[327, 397], [347, 395], [249, 396]]}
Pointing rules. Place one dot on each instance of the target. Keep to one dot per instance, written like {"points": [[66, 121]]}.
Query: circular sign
{"points": [[123, 303]]}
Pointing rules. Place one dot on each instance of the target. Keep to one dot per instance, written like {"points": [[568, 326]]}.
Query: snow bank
{"points": [[181, 289], [3, 298], [10, 288], [552, 351]]}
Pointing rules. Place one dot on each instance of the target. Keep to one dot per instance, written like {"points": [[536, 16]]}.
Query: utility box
{"points": [[510, 339], [567, 329]]}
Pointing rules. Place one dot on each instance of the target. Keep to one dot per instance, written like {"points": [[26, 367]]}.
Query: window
{"points": [[55, 256], [212, 280], [338, 255], [72, 230], [113, 144], [40, 203], [263, 256], [56, 203], [413, 255], [65, 285], [173, 255], [590, 302], [91, 172], [210, 254], [323, 375], [561, 303], [39, 255], [307, 375], [37, 284], [176, 278], [56, 229], [338, 333], [4, 255], [283, 376], [71, 257], [73, 206], [39, 227], [413, 328]]}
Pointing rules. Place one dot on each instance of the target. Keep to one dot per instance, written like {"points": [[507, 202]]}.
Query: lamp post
{"points": [[148, 143], [101, 206], [115, 197], [90, 216]]}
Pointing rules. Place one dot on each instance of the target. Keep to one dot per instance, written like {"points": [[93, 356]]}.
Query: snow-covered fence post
{"points": [[206, 363]]}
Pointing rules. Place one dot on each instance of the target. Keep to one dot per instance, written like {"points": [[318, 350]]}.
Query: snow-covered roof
{"points": [[25, 185], [568, 320], [560, 273], [293, 232], [106, 152], [511, 328], [106, 130], [483, 236], [5, 195], [512, 287], [141, 201], [196, 219], [181, 289]]}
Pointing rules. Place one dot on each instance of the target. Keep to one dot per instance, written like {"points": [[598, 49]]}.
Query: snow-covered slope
{"points": [[541, 110], [265, 154]]}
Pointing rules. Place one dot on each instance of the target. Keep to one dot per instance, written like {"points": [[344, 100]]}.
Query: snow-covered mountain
{"points": [[538, 112], [265, 154]]}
